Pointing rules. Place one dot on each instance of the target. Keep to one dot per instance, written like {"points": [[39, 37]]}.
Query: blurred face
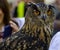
{"points": [[58, 2], [1, 16]]}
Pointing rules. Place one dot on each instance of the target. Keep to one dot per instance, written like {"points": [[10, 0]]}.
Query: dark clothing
{"points": [[15, 13], [58, 16], [56, 26], [57, 11], [7, 32]]}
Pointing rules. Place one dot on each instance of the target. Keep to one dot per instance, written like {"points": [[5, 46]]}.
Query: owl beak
{"points": [[44, 17]]}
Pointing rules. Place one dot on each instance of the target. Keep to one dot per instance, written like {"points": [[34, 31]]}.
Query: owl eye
{"points": [[49, 12], [36, 12]]}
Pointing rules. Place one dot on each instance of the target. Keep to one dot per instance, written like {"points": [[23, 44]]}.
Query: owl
{"points": [[36, 32]]}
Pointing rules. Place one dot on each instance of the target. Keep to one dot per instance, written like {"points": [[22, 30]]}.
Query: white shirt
{"points": [[20, 22], [55, 42]]}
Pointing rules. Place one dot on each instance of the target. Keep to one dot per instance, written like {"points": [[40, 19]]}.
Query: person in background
{"points": [[55, 42], [57, 5], [7, 26], [57, 20], [20, 11]]}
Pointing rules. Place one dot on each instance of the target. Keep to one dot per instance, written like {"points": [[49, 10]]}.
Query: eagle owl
{"points": [[36, 32]]}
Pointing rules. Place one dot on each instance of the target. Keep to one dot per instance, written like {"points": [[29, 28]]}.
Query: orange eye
{"points": [[36, 12], [49, 12]]}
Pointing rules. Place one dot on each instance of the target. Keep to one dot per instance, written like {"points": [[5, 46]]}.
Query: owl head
{"points": [[40, 12]]}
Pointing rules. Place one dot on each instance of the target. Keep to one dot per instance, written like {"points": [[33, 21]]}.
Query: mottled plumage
{"points": [[36, 32]]}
